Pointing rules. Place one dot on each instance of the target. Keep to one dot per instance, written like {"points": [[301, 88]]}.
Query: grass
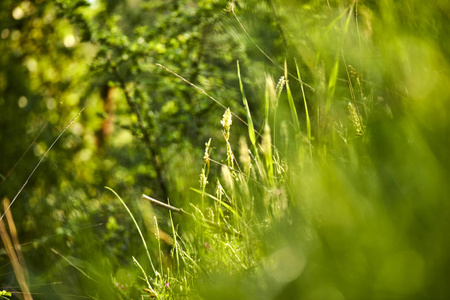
{"points": [[363, 215]]}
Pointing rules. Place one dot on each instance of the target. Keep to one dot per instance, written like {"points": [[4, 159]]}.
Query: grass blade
{"points": [[335, 71], [39, 163], [291, 103], [251, 129], [72, 264], [218, 200], [137, 227], [308, 121], [332, 85]]}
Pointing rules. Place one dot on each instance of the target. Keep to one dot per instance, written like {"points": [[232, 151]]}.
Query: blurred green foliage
{"points": [[347, 199]]}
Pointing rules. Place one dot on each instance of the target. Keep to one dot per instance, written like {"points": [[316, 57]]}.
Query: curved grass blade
{"points": [[137, 227], [308, 121]]}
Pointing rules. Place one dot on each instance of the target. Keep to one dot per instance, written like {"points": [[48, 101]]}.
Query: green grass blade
{"points": [[291, 103], [227, 206], [308, 121], [251, 129], [74, 265], [334, 73], [332, 85], [335, 20], [347, 22], [145, 276], [267, 103], [176, 250]]}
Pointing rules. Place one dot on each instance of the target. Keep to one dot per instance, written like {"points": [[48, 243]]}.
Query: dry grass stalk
{"points": [[14, 252]]}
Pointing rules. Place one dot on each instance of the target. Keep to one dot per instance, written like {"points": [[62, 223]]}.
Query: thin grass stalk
{"points": [[12, 255], [218, 201], [278, 89], [73, 265], [146, 278], [231, 8], [159, 246], [137, 227], [175, 243], [39, 163], [15, 239]]}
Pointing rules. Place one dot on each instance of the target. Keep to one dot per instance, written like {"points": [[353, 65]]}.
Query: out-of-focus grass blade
{"points": [[291, 103], [266, 140], [335, 71], [332, 85], [267, 102], [347, 22], [335, 20], [308, 121], [251, 129]]}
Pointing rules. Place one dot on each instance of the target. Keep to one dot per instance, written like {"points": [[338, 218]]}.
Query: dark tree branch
{"points": [[154, 153]]}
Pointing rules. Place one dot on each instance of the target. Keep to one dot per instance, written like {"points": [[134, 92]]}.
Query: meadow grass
{"points": [[351, 205], [347, 206]]}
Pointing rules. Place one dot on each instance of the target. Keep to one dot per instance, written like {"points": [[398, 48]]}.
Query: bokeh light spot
{"points": [[286, 264], [69, 41], [18, 13], [51, 103], [5, 33], [15, 35], [23, 101]]}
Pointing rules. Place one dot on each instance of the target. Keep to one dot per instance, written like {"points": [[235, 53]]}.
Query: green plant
{"points": [[329, 184]]}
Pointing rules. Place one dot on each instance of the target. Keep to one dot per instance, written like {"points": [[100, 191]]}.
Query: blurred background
{"points": [[352, 202]]}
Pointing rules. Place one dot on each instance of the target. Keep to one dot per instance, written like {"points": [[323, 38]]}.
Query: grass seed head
{"points": [[206, 157], [266, 142], [203, 179], [226, 123], [244, 156], [355, 119], [227, 177], [280, 86]]}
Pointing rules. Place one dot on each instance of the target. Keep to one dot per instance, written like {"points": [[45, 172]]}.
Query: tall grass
{"points": [[351, 205], [363, 216]]}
